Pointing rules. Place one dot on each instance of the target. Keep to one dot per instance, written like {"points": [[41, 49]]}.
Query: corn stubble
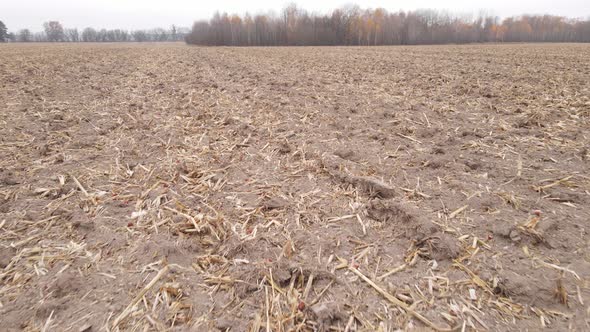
{"points": [[162, 187]]}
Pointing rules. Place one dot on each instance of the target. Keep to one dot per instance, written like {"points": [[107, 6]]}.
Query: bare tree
{"points": [[54, 31], [24, 36], [39, 37], [158, 34], [139, 36], [173, 33], [72, 35], [120, 35], [89, 35]]}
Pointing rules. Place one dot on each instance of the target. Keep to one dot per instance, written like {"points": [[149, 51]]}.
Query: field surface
{"points": [[167, 187]]}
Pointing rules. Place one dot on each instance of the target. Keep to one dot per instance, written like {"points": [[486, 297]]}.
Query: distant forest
{"points": [[54, 31], [354, 26]]}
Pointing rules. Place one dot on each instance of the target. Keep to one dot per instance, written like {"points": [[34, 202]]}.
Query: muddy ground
{"points": [[168, 187]]}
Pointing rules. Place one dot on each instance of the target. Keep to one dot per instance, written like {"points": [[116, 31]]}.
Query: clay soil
{"points": [[169, 187]]}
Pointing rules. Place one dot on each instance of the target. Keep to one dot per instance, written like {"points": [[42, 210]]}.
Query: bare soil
{"points": [[169, 187]]}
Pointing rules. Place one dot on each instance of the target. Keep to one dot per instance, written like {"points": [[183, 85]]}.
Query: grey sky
{"points": [[139, 14]]}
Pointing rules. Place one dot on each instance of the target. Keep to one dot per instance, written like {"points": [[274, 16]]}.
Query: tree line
{"points": [[352, 25], [54, 31], [4, 35]]}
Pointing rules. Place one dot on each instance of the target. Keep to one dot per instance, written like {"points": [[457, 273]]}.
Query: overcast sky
{"points": [[139, 14]]}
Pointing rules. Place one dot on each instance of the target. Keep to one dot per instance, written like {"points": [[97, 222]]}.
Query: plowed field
{"points": [[168, 187]]}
